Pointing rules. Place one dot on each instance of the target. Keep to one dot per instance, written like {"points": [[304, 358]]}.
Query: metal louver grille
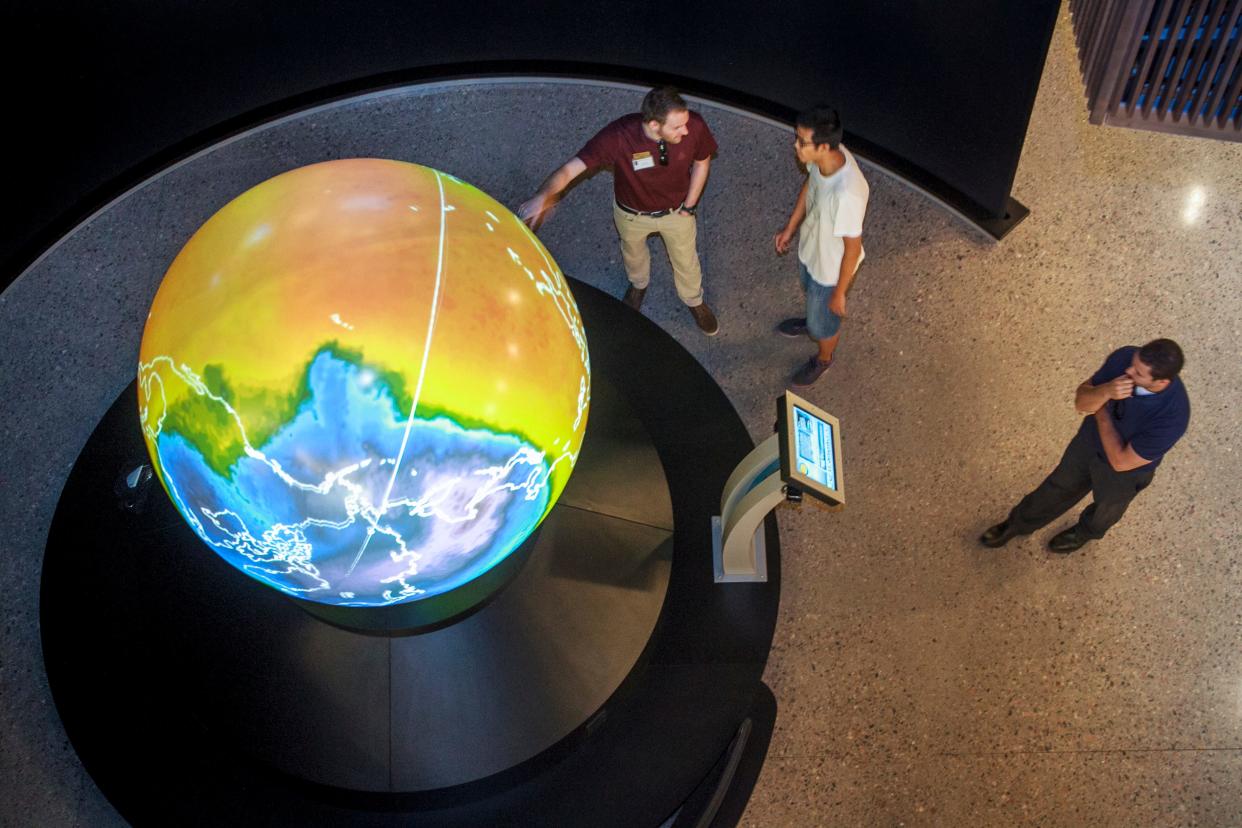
{"points": [[1167, 65]]}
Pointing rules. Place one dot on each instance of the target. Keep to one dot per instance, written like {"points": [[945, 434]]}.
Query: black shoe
{"points": [[705, 319], [998, 535], [810, 371], [1067, 541], [634, 297], [792, 328]]}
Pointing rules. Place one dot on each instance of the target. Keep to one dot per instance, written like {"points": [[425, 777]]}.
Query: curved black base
{"points": [[600, 687]]}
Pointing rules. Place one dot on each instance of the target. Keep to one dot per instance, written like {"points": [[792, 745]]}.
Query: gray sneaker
{"points": [[805, 376], [792, 328]]}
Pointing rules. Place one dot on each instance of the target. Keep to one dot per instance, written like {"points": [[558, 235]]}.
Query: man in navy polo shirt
{"points": [[1136, 410], [659, 158]]}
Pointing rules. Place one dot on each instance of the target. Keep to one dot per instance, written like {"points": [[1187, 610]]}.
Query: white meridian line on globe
{"points": [[418, 389]]}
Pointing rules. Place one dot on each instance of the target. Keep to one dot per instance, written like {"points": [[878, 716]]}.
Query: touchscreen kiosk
{"points": [[810, 443], [802, 457]]}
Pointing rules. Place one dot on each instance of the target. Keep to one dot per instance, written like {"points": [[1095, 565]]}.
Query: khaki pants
{"points": [[679, 233]]}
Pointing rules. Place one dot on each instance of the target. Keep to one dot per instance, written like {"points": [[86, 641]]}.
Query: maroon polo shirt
{"points": [[648, 188]]}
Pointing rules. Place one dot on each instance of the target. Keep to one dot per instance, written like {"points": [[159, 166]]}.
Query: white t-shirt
{"points": [[835, 206]]}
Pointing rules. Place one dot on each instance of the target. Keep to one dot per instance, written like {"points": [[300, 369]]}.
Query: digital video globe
{"points": [[364, 382]]}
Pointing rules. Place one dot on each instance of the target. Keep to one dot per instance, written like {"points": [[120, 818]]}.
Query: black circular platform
{"points": [[600, 686]]}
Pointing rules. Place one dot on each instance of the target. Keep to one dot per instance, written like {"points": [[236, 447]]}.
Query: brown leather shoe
{"points": [[634, 297], [705, 319]]}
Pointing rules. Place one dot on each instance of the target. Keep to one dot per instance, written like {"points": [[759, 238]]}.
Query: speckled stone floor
{"points": [[921, 679]]}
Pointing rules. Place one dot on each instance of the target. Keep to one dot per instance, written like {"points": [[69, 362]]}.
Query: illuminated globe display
{"points": [[364, 382]]}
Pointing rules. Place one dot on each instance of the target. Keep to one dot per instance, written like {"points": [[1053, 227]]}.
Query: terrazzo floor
{"points": [[921, 679]]}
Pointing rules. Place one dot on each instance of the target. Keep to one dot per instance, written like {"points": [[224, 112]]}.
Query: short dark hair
{"points": [[1164, 358], [660, 101], [824, 124]]}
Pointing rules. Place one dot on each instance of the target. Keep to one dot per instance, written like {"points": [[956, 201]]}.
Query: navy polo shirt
{"points": [[1151, 424]]}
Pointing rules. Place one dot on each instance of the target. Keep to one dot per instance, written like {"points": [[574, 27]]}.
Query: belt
{"points": [[656, 214]]}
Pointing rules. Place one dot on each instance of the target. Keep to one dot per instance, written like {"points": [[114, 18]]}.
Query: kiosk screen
{"points": [[810, 444], [813, 448]]}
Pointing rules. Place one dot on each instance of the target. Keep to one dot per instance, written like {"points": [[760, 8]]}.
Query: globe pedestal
{"points": [[600, 685]]}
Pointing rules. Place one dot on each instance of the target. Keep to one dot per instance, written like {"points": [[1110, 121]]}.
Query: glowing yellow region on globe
{"points": [[364, 382]]}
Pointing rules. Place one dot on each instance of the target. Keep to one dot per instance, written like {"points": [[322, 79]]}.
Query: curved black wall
{"points": [[102, 94]]}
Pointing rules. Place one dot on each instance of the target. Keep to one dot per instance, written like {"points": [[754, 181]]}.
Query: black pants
{"points": [[1081, 470]]}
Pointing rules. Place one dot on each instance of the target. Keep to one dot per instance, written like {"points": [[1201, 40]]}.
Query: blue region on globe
{"points": [[324, 510]]}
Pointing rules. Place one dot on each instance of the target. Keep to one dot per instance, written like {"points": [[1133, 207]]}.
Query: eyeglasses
{"points": [[663, 148]]}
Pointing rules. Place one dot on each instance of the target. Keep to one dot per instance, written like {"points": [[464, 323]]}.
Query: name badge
{"points": [[642, 160]]}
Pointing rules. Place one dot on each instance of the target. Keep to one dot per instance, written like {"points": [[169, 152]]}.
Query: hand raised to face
{"points": [[1120, 388]]}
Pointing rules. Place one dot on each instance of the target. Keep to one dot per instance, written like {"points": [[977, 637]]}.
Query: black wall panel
{"points": [[101, 94]]}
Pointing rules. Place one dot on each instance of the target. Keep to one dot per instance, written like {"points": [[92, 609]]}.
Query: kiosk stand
{"points": [[804, 455]]}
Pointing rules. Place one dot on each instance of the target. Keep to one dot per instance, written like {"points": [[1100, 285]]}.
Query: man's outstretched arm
{"points": [[532, 210]]}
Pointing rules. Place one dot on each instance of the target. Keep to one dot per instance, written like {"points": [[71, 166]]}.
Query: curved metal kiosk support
{"points": [[754, 489], [803, 455]]}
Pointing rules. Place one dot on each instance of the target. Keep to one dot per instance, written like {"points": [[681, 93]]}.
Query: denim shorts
{"points": [[821, 323]]}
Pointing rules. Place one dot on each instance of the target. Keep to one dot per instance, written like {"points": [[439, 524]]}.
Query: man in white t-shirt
{"points": [[829, 210]]}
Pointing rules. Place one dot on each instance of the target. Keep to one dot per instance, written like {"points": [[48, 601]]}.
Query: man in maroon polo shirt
{"points": [[659, 158]]}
